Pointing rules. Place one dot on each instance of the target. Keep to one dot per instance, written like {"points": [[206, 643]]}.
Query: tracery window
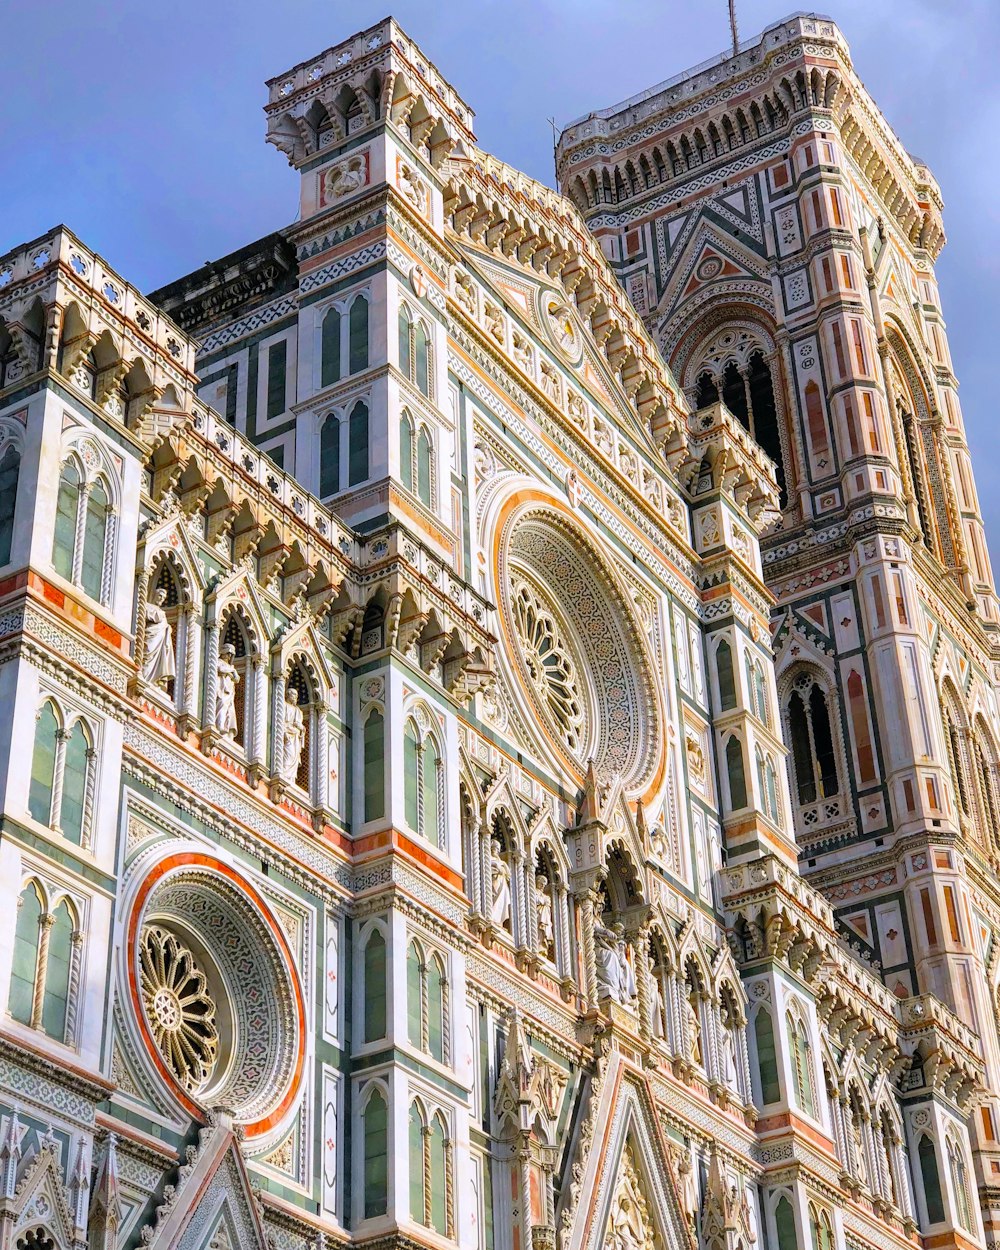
{"points": [[375, 984], [427, 1001], [549, 662], [821, 1227], [375, 1137], [767, 1057], [46, 965], [930, 1179], [415, 352], [417, 467], [737, 372], [81, 547], [801, 1059], [809, 730], [63, 774], [757, 689], [10, 468], [429, 1167], [960, 1184], [179, 1007], [423, 770]]}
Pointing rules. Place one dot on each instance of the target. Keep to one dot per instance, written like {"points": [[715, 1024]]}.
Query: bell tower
{"points": [[779, 242]]}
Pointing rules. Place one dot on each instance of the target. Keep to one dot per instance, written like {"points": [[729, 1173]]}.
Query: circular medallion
{"points": [[560, 321], [708, 269]]}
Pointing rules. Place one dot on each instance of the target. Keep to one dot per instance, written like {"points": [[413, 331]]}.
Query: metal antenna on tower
{"points": [[732, 27]]}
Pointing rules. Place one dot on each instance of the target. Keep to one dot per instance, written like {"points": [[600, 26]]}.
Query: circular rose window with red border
{"points": [[215, 989]]}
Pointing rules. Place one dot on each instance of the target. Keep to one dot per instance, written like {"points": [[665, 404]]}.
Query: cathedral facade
{"points": [[506, 693]]}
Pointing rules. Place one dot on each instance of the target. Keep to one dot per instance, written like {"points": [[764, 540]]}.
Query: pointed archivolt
{"points": [[628, 1198]]}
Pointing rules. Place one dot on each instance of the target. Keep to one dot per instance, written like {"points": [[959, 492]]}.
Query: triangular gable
{"points": [[709, 258], [303, 637], [628, 1153], [214, 1196], [40, 1190], [170, 534], [239, 587]]}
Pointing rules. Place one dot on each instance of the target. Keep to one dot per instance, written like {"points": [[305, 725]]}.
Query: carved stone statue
{"points": [[546, 933], [630, 988], [225, 698], [159, 664], [500, 910], [294, 736], [609, 971], [728, 1056]]}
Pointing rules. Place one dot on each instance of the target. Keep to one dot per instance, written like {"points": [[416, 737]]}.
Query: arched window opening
{"points": [[425, 461], [436, 1009], [726, 676], [764, 415], [405, 350], [95, 535], [10, 467], [821, 1228], [329, 456], [374, 766], [357, 351], [76, 765], [48, 732], [438, 1165], [421, 359], [956, 757], [330, 348], [811, 736], [67, 510], [784, 1225], [960, 1184], [423, 791], [930, 1179], [915, 461], [406, 449], [357, 438], [375, 979], [415, 969], [375, 1132], [736, 774], [24, 967], [707, 391], [801, 1056], [986, 769], [55, 1002], [734, 394], [415, 1138]]}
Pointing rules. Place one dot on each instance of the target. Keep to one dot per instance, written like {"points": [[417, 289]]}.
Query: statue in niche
{"points": [[225, 699], [729, 1057], [159, 664], [294, 736], [630, 987], [500, 910], [546, 932], [615, 974], [656, 1005], [629, 1225]]}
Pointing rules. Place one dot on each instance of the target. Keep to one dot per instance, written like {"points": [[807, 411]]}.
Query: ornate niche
{"points": [[575, 649], [217, 998]]}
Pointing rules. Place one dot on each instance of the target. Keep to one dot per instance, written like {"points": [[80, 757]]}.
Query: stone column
{"points": [[45, 923], [89, 796], [141, 600], [211, 678], [321, 755], [110, 542], [58, 771], [588, 905], [81, 520], [185, 697], [73, 994]]}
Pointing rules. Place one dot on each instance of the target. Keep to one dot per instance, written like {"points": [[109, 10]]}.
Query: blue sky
{"points": [[139, 125]]}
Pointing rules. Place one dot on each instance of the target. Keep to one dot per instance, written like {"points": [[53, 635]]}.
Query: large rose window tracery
{"points": [[549, 663], [576, 650], [180, 1009]]}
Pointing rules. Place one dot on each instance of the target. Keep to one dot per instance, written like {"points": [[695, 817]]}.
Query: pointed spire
{"points": [[590, 808], [105, 1207], [10, 1156], [78, 1186]]}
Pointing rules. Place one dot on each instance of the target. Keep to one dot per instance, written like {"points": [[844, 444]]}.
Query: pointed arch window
{"points": [[801, 1057], [375, 984], [375, 1134], [960, 1184], [425, 468], [374, 766], [767, 1057], [423, 791], [821, 1228], [10, 468], [357, 348], [415, 354], [810, 733], [784, 1225], [357, 444], [429, 1168], [45, 965], [60, 792], [930, 1179], [406, 451], [726, 677], [736, 774], [80, 544], [329, 456], [427, 1002], [330, 348]]}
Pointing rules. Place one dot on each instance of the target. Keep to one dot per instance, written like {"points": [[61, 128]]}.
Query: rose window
{"points": [[575, 650], [179, 1008], [549, 664]]}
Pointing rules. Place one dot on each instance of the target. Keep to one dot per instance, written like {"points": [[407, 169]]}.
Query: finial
{"points": [[733, 28]]}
